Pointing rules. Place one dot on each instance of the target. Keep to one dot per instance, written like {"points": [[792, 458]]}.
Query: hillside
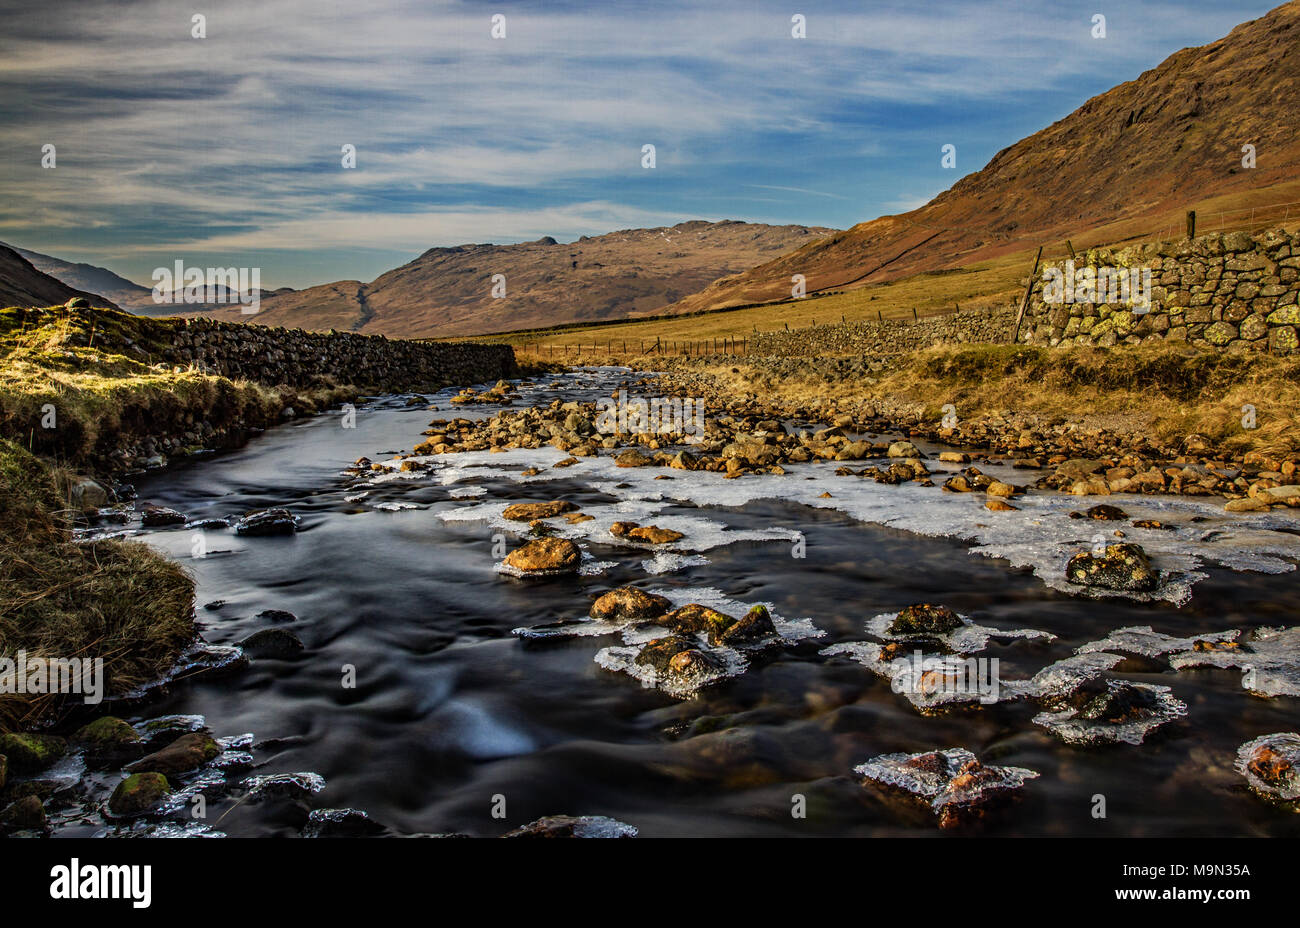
{"points": [[1125, 160], [21, 284], [448, 291]]}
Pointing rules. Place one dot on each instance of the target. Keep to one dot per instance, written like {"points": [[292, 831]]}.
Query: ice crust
{"points": [[1269, 659], [937, 786], [1039, 536]]}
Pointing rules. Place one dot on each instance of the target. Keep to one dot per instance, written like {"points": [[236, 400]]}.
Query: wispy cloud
{"points": [[170, 144]]}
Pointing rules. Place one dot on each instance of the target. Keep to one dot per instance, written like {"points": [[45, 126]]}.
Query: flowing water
{"points": [[453, 715]]}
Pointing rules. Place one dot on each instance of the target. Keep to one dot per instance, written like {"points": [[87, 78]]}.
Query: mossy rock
{"points": [[30, 753], [186, 753], [109, 730], [27, 813], [138, 794], [754, 626], [108, 742], [694, 617]]}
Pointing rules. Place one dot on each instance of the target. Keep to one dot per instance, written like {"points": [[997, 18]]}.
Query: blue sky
{"points": [[226, 150]]}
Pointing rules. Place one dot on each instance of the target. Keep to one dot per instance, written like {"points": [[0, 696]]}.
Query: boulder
{"points": [[138, 794], [263, 522], [629, 603], [546, 556], [27, 812], [655, 535], [108, 741], [924, 619], [527, 512], [188, 752], [1123, 567], [272, 642], [28, 753]]}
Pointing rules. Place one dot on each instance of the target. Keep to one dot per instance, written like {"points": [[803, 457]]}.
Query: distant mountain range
{"points": [[22, 284], [457, 291]]}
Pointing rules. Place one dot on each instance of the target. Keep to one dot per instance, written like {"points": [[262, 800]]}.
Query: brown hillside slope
{"points": [[22, 285], [1164, 141], [448, 291]]}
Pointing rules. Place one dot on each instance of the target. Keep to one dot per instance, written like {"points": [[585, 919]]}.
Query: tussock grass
{"points": [[1164, 391], [119, 601]]}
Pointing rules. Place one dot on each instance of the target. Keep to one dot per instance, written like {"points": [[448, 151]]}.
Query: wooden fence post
{"points": [[1191, 223], [1024, 305]]}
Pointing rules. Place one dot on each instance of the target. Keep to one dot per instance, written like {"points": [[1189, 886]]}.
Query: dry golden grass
{"points": [[1165, 392]]}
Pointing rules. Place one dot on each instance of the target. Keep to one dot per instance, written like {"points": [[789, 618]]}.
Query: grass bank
{"points": [[82, 393], [1165, 392]]}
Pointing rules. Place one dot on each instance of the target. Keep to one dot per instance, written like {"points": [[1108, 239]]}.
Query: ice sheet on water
{"points": [[396, 506], [1065, 676], [1141, 639], [1071, 729], [1040, 535], [1269, 659], [731, 661], [1271, 765], [929, 681], [290, 785], [968, 639], [952, 778], [467, 492]]}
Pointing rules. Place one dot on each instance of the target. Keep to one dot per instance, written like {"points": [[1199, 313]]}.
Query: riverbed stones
{"points": [[152, 516], [527, 512], [26, 813], [1124, 567], [108, 741], [629, 604], [139, 794], [267, 522], [545, 556], [276, 643], [924, 619], [653, 534], [694, 618], [658, 652], [188, 752], [958, 788], [1271, 765], [753, 627], [573, 826], [30, 753]]}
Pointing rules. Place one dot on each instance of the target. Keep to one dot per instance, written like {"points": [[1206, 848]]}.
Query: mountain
{"points": [[126, 294], [448, 291], [21, 284], [1166, 141]]}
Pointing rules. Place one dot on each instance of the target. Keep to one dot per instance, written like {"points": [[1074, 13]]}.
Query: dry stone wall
{"points": [[298, 358], [889, 337], [1235, 292]]}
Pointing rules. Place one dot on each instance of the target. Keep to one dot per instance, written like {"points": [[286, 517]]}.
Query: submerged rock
{"points": [[274, 643], [1100, 711], [571, 826], [629, 603], [340, 823], [1271, 765], [545, 556], [958, 788], [139, 794], [157, 516], [263, 522], [1123, 567], [293, 786]]}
